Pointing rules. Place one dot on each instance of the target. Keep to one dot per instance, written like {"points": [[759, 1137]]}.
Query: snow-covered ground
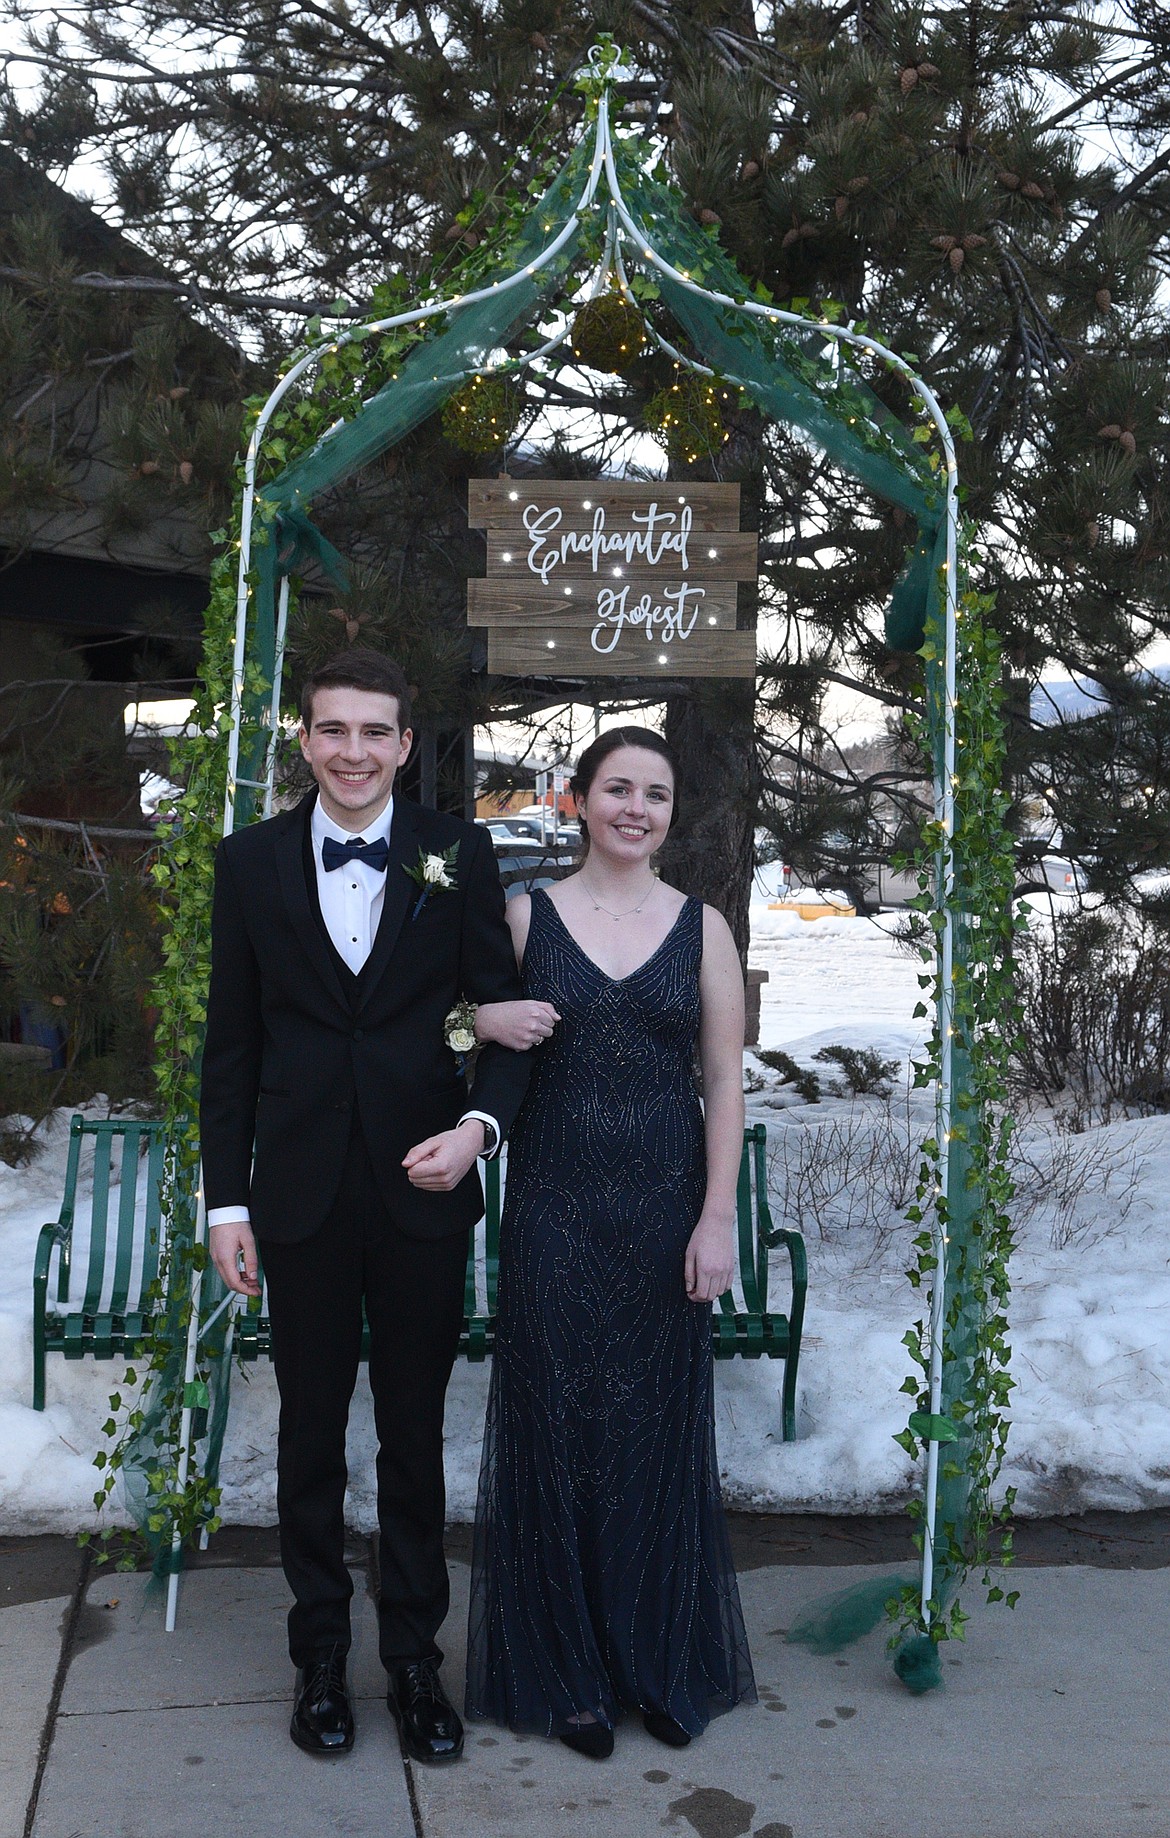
{"points": [[1090, 1316]]}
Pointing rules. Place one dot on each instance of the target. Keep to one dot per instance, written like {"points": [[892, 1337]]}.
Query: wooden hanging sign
{"points": [[611, 578]]}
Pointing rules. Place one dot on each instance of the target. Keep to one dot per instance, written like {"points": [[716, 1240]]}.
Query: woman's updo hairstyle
{"points": [[596, 754]]}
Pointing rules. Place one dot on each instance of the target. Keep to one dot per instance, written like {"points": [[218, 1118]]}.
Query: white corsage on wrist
{"points": [[459, 1028], [459, 1031]]}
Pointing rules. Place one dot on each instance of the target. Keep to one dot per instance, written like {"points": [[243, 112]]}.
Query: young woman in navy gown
{"points": [[602, 1577]]}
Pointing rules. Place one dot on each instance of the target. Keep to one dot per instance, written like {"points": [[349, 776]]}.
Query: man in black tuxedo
{"points": [[338, 1132]]}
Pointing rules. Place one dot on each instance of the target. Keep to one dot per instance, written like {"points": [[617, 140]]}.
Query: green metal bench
{"points": [[111, 1317], [751, 1332]]}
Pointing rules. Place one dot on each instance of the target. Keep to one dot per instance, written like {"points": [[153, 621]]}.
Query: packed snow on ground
{"points": [[1090, 1314]]}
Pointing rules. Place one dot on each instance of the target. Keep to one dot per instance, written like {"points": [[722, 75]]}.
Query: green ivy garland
{"points": [[985, 1019]]}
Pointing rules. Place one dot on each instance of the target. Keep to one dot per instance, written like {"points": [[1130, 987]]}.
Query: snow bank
{"points": [[1090, 1316]]}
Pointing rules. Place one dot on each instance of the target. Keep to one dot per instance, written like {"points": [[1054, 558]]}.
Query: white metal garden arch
{"points": [[625, 234]]}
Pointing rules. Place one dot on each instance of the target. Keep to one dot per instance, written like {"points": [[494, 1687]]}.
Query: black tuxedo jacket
{"points": [[294, 1041]]}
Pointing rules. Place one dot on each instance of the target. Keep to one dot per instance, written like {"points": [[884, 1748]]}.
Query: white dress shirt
{"points": [[351, 896], [351, 899]]}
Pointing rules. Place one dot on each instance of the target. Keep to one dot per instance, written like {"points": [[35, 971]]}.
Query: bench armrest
{"points": [[797, 1256], [48, 1236], [58, 1232]]}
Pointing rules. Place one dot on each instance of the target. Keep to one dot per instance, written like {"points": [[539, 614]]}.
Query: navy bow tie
{"points": [[336, 854]]}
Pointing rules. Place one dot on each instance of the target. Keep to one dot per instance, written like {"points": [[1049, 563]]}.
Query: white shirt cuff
{"points": [[228, 1215], [481, 1116]]}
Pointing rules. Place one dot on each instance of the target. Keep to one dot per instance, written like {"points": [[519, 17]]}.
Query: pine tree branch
{"points": [[104, 830], [195, 291], [1076, 110]]}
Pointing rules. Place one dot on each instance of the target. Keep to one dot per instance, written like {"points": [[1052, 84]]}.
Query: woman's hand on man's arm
{"points": [[518, 1025]]}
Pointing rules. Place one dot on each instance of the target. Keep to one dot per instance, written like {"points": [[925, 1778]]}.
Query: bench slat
{"points": [[124, 1243], [98, 1216], [153, 1218]]}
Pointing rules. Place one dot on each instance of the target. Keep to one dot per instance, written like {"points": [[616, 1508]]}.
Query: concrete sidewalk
{"points": [[1051, 1724]]}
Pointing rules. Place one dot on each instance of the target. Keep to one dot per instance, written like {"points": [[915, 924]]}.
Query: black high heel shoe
{"points": [[591, 1739], [665, 1729]]}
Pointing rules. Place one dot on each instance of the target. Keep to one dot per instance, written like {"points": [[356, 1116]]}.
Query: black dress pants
{"points": [[413, 1294]]}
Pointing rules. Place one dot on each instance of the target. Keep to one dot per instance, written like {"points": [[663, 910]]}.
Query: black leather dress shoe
{"points": [[322, 1721], [427, 1720]]}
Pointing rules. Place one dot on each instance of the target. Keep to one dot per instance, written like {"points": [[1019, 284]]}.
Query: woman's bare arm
{"points": [[518, 1025], [710, 1259]]}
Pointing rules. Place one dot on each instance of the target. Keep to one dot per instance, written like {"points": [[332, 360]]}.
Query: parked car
{"points": [[523, 866], [527, 829], [1063, 876], [506, 829]]}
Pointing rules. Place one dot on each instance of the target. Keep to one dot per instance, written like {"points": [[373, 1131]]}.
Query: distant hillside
{"points": [[1066, 699]]}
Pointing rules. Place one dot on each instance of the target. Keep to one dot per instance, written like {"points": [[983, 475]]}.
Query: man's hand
{"points": [[230, 1245], [439, 1164]]}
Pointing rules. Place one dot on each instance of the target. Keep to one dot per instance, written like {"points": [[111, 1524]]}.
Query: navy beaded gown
{"points": [[602, 1579]]}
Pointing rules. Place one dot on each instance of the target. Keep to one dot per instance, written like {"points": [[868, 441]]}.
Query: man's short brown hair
{"points": [[358, 668]]}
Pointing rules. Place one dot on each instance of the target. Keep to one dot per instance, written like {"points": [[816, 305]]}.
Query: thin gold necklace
{"points": [[608, 910]]}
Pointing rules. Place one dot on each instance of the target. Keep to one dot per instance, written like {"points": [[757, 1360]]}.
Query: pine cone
{"points": [[841, 205], [148, 468], [1030, 189], [749, 170], [1127, 442], [789, 237], [908, 79], [860, 118], [1103, 298], [1092, 532], [956, 257], [945, 243], [1111, 431], [453, 234], [539, 42], [176, 395], [974, 241], [929, 71], [708, 216], [1010, 180], [186, 471]]}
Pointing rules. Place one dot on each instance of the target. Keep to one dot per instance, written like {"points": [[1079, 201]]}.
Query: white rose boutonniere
{"points": [[432, 874]]}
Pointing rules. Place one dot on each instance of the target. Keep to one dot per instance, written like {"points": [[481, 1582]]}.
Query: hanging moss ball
{"points": [[687, 417], [480, 416], [608, 333]]}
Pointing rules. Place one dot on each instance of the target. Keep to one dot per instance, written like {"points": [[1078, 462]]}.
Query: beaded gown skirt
{"points": [[602, 1579]]}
